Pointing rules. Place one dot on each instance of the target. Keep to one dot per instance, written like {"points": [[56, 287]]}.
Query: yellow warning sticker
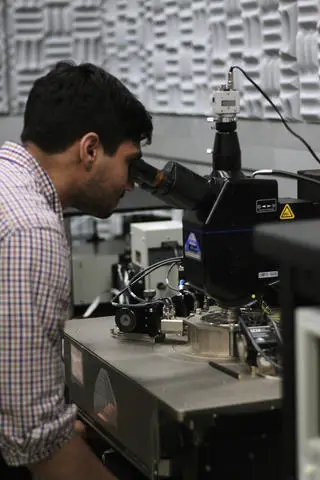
{"points": [[287, 213]]}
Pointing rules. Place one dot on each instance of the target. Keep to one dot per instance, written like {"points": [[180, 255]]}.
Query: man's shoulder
{"points": [[24, 203], [23, 207]]}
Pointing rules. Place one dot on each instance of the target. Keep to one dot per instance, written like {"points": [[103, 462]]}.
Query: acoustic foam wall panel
{"points": [[42, 32], [289, 73], [3, 64], [172, 53], [308, 58], [123, 32]]}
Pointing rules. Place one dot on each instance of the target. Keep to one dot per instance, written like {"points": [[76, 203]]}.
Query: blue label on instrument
{"points": [[192, 248]]}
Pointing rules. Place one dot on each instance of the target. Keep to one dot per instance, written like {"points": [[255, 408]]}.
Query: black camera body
{"points": [[140, 318]]}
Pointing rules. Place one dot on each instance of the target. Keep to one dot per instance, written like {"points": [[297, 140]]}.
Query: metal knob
{"points": [[149, 294], [125, 320]]}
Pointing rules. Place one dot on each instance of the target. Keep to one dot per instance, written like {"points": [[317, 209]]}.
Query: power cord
{"points": [[302, 140]]}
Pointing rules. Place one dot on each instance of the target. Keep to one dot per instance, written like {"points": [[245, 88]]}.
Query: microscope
{"points": [[220, 265]]}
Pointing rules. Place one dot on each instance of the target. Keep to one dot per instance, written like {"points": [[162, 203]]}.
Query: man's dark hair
{"points": [[72, 100]]}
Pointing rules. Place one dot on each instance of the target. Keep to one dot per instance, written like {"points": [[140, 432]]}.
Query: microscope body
{"points": [[219, 256]]}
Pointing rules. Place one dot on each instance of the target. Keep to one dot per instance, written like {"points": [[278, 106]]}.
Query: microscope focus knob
{"points": [[125, 320], [149, 294]]}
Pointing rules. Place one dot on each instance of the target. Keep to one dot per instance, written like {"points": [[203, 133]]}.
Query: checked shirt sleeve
{"points": [[34, 296]]}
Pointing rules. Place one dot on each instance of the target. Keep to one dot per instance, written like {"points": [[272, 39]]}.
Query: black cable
{"points": [[143, 273], [305, 143], [124, 284], [167, 279], [146, 271], [283, 173]]}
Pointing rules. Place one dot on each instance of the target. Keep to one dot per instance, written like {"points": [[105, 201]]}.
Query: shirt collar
{"points": [[16, 153]]}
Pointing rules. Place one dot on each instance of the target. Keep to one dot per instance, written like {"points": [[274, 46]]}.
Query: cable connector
{"points": [[230, 83]]}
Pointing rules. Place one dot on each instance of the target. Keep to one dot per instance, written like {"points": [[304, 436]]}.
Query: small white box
{"points": [[148, 245]]}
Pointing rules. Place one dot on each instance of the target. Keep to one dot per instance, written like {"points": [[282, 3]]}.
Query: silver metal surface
{"points": [[211, 340], [172, 325], [131, 337], [183, 384], [217, 315], [212, 334]]}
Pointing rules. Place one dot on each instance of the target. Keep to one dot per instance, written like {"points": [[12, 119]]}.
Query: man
{"points": [[82, 129]]}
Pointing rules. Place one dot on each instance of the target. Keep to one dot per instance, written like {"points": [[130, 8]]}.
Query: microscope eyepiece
{"points": [[175, 184]]}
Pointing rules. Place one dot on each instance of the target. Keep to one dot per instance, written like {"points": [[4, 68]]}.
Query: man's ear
{"points": [[88, 150]]}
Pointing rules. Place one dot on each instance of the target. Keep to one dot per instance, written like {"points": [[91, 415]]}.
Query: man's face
{"points": [[107, 181]]}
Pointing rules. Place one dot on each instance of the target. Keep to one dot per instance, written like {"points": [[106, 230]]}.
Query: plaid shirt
{"points": [[34, 304]]}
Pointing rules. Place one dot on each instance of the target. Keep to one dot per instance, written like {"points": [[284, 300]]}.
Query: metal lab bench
{"points": [[171, 415]]}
